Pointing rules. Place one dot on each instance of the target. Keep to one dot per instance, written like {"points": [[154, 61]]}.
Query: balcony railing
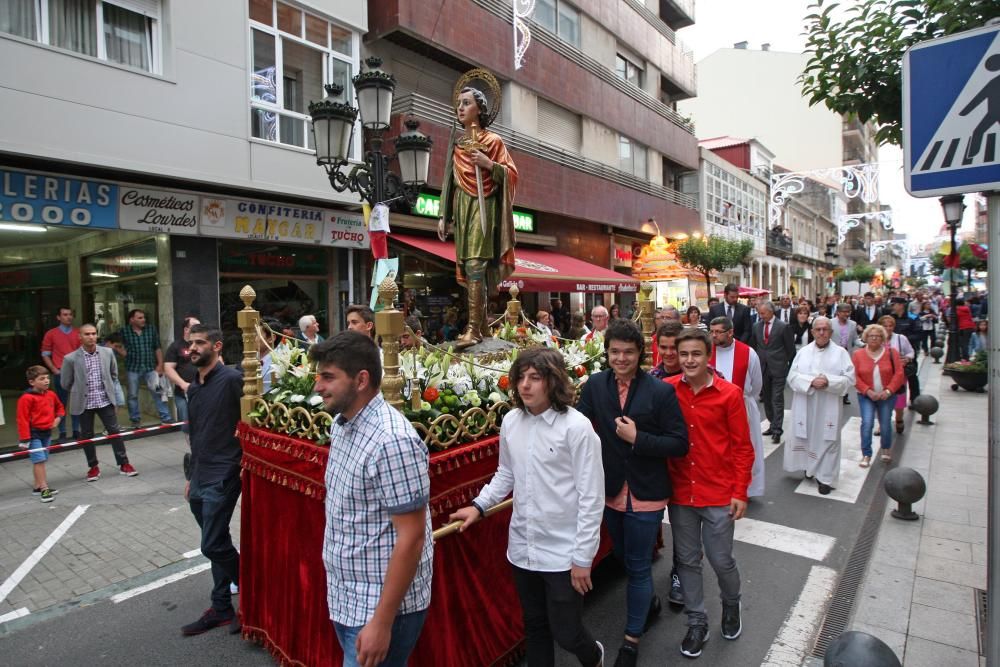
{"points": [[734, 234], [779, 244]]}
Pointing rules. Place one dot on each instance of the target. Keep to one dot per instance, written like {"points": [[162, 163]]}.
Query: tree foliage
{"points": [[713, 253], [855, 63], [967, 261], [862, 272]]}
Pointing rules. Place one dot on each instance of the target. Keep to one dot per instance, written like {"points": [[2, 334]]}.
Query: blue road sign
{"points": [[951, 114]]}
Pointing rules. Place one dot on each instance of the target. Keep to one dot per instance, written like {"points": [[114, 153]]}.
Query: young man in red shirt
{"points": [[709, 486], [56, 344]]}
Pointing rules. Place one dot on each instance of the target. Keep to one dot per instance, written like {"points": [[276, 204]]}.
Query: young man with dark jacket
{"points": [[640, 425]]}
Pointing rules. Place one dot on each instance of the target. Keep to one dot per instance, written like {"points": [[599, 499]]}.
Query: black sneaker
{"points": [[676, 595], [732, 625], [38, 490], [694, 641], [47, 495], [209, 620], [628, 655], [654, 612]]}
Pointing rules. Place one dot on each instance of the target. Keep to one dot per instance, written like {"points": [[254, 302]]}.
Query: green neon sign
{"points": [[430, 206]]}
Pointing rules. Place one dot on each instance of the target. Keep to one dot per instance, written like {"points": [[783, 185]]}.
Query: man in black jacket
{"points": [[867, 312], [640, 424], [910, 328], [734, 310], [775, 345]]}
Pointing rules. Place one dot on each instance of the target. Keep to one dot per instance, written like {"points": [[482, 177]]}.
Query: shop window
{"points": [[290, 281], [117, 281], [293, 55], [560, 19], [126, 32], [30, 296]]}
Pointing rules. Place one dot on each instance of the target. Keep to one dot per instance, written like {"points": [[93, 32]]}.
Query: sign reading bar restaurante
{"points": [[429, 206]]}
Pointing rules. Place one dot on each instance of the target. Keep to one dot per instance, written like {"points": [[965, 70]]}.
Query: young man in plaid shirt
{"points": [[378, 545]]}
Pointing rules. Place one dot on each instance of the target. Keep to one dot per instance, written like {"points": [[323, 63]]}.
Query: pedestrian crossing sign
{"points": [[951, 114]]}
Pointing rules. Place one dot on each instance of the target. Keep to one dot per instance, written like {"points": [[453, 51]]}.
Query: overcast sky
{"points": [[721, 23]]}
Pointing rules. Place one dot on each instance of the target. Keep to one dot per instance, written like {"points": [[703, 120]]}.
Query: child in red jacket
{"points": [[39, 411]]}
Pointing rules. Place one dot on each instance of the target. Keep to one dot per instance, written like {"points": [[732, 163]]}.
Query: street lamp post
{"points": [[831, 257], [954, 207], [333, 132]]}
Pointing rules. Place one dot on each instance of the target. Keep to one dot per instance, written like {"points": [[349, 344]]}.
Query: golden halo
{"points": [[490, 87]]}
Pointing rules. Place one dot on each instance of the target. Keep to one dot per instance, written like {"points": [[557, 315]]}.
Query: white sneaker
{"points": [[234, 589]]}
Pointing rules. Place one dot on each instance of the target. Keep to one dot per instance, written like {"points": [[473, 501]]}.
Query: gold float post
{"points": [[646, 315], [247, 320], [390, 326], [514, 307]]}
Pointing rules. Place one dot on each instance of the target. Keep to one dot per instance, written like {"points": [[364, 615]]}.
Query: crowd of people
{"points": [[685, 439]]}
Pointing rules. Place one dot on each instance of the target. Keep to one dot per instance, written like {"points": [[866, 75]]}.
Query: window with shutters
{"points": [[126, 32], [559, 126]]}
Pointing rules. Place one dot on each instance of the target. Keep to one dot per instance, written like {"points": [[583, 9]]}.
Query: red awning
{"points": [[539, 270]]}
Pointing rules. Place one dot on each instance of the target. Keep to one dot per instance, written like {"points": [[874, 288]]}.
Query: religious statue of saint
{"points": [[477, 202]]}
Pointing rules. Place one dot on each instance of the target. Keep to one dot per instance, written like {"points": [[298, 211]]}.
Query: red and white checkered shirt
{"points": [[97, 396]]}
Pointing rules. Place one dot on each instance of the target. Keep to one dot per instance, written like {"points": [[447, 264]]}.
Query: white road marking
{"points": [[814, 546], [191, 554], [14, 579], [17, 613], [159, 583], [796, 634], [852, 476]]}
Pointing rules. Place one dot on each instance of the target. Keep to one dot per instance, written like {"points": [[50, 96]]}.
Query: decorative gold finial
{"points": [[646, 288], [387, 292], [514, 292], [247, 296]]}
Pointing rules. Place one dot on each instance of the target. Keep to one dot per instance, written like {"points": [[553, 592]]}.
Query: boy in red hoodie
{"points": [[39, 411]]}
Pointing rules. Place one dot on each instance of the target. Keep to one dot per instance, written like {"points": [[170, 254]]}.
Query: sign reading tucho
{"points": [[345, 230]]}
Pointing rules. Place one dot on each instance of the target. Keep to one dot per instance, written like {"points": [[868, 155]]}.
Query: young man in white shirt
{"points": [[550, 457]]}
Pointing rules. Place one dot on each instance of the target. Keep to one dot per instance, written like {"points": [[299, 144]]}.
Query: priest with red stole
{"points": [[738, 363]]}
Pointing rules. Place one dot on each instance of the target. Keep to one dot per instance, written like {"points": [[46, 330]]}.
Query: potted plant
{"points": [[969, 375]]}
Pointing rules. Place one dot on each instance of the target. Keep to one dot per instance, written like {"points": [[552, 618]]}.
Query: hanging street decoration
{"points": [[522, 34]]}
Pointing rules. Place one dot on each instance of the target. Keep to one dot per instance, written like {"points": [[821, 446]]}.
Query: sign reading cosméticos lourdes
{"points": [[157, 211]]}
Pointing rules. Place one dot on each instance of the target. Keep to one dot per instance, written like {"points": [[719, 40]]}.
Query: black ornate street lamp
{"points": [[953, 207], [333, 125]]}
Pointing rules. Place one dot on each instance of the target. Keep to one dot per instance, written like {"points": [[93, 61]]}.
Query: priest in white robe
{"points": [[821, 375], [739, 363]]}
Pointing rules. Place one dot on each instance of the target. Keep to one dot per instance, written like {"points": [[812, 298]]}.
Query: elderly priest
{"points": [[821, 374]]}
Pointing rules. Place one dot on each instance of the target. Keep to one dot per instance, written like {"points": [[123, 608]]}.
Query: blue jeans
{"points": [[181, 403], [405, 632], [633, 535], [63, 396], [212, 505], [869, 409], [134, 379]]}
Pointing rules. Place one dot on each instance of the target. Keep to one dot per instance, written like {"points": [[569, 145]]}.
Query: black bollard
{"points": [[925, 405], [906, 486], [859, 649], [937, 353]]}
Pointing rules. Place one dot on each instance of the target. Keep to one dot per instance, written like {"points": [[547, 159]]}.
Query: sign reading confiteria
{"points": [[260, 221], [157, 211]]}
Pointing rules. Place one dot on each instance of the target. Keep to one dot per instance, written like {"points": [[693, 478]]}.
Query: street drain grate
{"points": [[844, 596], [982, 609]]}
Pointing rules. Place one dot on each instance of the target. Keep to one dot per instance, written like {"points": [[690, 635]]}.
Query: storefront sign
{"points": [[157, 211], [429, 206], [345, 230], [249, 258], [623, 254], [260, 221], [55, 200]]}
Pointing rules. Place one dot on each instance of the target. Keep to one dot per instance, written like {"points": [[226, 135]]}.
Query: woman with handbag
{"points": [[878, 375], [901, 345]]}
